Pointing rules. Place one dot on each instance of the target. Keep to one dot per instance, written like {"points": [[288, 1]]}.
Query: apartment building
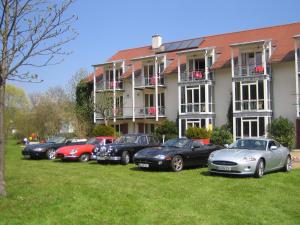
{"points": [[194, 82]]}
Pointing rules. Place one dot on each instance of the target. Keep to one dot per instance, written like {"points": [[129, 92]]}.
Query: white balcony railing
{"points": [[149, 81], [195, 76], [252, 105], [250, 70], [149, 111], [197, 108], [109, 85]]}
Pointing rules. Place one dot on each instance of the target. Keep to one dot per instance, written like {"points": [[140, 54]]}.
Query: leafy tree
{"points": [[283, 131], [102, 130], [167, 128], [221, 136], [32, 33]]}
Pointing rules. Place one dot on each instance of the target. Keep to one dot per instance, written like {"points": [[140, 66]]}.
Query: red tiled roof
{"points": [[281, 37]]}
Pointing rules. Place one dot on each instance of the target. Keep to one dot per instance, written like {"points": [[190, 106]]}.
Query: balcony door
{"points": [[250, 128], [249, 96], [250, 60]]}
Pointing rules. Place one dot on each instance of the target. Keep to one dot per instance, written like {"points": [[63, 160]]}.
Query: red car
{"points": [[82, 152]]}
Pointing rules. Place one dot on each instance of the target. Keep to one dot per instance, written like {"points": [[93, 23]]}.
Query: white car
{"points": [[250, 157]]}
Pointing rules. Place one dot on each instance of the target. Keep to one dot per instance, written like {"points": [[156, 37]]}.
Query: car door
{"points": [[141, 144], [274, 156], [199, 153]]}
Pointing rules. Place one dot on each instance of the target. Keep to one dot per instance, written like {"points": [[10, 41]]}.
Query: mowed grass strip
{"points": [[53, 192]]}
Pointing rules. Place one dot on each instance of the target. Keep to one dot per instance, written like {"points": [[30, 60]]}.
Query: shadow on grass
{"points": [[229, 176]]}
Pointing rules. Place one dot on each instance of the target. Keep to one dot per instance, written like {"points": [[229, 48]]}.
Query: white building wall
{"points": [[284, 90], [171, 96], [223, 81]]}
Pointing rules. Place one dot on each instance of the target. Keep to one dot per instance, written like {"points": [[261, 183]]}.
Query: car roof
{"points": [[105, 137], [257, 138]]}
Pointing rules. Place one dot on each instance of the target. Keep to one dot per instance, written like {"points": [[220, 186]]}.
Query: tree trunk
{"points": [[2, 182]]}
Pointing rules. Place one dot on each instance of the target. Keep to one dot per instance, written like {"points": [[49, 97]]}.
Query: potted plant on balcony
{"points": [[197, 133]]}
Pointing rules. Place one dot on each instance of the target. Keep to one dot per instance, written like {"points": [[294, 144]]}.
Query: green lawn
{"points": [[47, 192]]}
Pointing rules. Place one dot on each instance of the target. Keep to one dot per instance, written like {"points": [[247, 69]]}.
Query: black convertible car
{"points": [[175, 154], [124, 148], [47, 150]]}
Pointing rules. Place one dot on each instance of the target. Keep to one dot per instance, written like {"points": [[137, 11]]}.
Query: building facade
{"points": [[249, 77]]}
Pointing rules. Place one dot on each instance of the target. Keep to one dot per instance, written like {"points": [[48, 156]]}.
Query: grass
{"points": [[47, 192]]}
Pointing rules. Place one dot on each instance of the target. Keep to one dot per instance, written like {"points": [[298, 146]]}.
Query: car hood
{"points": [[43, 145], [152, 152], [235, 154], [67, 149]]}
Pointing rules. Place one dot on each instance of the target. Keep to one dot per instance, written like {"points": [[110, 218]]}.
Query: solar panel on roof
{"points": [[178, 45]]}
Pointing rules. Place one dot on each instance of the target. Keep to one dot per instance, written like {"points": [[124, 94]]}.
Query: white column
{"points": [[234, 128], [114, 91], [133, 94], [95, 115], [156, 88], [206, 98], [206, 67], [266, 95], [179, 129], [266, 125], [232, 63], [178, 86], [242, 128], [233, 97], [264, 59], [297, 77]]}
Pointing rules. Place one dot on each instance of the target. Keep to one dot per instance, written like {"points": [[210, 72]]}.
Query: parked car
{"points": [[175, 154], [47, 150], [124, 148], [84, 152], [250, 157]]}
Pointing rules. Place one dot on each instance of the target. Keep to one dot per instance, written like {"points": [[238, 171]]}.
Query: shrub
{"points": [[167, 128], [102, 130], [221, 136], [197, 132], [283, 131]]}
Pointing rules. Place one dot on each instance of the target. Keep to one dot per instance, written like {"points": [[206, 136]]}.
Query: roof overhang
{"points": [[147, 57], [248, 43], [108, 63], [297, 36], [195, 50]]}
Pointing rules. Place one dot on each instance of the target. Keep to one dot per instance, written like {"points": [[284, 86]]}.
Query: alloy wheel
{"points": [[177, 163], [51, 154]]}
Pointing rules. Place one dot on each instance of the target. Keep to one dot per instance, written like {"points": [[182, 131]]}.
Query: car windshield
{"points": [[178, 142], [249, 144], [92, 141], [57, 140], [127, 139]]}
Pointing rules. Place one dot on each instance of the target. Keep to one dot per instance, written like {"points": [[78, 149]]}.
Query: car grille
{"points": [[226, 171], [143, 161], [224, 163]]}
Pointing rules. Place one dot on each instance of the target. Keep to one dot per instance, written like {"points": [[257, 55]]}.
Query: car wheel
{"points": [[260, 168], [51, 153], [125, 159], [84, 157], [177, 163], [288, 164]]}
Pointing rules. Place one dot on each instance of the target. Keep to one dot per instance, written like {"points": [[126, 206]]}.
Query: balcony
{"points": [[196, 108], [250, 70], [109, 86], [195, 76], [298, 66], [252, 105], [149, 111], [149, 82]]}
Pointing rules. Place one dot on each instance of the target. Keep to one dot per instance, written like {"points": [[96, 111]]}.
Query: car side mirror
{"points": [[273, 148], [226, 145]]}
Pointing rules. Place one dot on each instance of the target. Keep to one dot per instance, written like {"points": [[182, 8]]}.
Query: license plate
{"points": [[226, 168], [144, 165], [27, 156], [101, 158]]}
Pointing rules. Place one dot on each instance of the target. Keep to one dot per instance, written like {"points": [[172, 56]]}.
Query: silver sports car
{"points": [[250, 157]]}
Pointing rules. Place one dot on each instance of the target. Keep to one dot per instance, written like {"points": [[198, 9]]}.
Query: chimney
{"points": [[156, 41]]}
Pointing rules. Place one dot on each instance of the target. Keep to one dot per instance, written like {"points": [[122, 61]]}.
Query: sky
{"points": [[106, 27]]}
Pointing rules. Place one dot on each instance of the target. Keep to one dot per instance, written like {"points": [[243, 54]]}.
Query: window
{"points": [[143, 140], [108, 141], [272, 143], [152, 140]]}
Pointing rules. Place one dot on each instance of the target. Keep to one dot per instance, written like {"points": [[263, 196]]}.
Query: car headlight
{"points": [[73, 151], [38, 149], [160, 157], [249, 158], [211, 155]]}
